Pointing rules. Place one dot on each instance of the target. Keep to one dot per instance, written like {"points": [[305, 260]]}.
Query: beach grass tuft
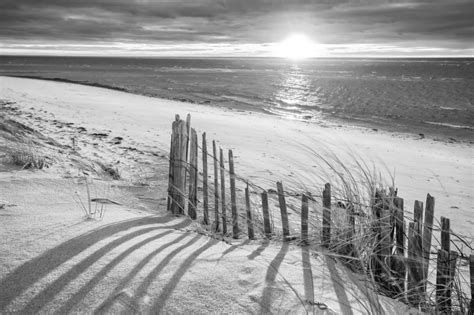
{"points": [[27, 157]]}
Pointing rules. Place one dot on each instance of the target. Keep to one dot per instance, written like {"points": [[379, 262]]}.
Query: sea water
{"points": [[419, 96]]}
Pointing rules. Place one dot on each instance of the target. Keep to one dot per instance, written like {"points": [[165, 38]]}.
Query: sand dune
{"points": [[266, 147], [139, 259]]}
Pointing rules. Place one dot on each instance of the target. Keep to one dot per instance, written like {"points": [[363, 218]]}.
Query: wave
{"points": [[449, 125]]}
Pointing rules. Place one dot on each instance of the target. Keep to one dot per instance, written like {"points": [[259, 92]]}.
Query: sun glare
{"points": [[296, 46]]}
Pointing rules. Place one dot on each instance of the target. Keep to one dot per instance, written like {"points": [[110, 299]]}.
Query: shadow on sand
{"points": [[338, 287], [173, 282], [270, 277], [234, 247], [259, 250], [78, 296], [27, 274], [308, 278]]}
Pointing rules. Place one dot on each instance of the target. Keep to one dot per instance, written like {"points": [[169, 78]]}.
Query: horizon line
{"points": [[243, 57]]}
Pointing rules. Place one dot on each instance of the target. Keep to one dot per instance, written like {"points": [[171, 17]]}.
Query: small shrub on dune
{"points": [[110, 170], [27, 158]]}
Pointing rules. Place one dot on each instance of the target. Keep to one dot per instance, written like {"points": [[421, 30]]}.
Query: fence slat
{"points": [[267, 228], [418, 212], [443, 283], [471, 270], [427, 232], [415, 270], [249, 214], [193, 175], [188, 127], [183, 161], [174, 155], [385, 237], [233, 200], [326, 231], [179, 166], [283, 211], [445, 235], [216, 187], [304, 219], [223, 207], [377, 207], [205, 187], [443, 294], [453, 258], [397, 261], [399, 226], [170, 173]]}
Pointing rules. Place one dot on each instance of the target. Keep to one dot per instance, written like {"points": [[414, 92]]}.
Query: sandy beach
{"points": [[419, 166], [132, 133]]}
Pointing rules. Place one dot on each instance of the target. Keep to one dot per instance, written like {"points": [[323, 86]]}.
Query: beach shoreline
{"points": [[420, 166], [393, 120]]}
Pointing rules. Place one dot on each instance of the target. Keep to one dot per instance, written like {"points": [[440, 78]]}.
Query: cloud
{"points": [[436, 23]]}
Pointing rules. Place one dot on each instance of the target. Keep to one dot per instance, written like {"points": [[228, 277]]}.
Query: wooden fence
{"points": [[399, 261]]}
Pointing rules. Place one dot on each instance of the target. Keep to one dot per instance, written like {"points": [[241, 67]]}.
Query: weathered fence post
{"points": [[193, 175], [453, 258], [267, 228], [224, 214], [445, 234], [216, 186], [443, 299], [233, 201], [443, 289], [283, 211], [397, 263], [416, 262], [179, 161], [418, 212], [326, 232], [249, 213], [427, 232], [471, 271], [377, 265], [188, 127], [415, 269], [304, 219], [205, 187], [386, 240], [170, 173]]}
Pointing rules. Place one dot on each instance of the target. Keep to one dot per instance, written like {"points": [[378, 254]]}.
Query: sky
{"points": [[194, 28]]}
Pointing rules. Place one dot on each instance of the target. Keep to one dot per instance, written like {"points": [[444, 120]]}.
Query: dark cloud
{"points": [[448, 23]]}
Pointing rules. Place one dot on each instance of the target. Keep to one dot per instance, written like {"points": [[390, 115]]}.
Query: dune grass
{"points": [[87, 198], [27, 156], [357, 188]]}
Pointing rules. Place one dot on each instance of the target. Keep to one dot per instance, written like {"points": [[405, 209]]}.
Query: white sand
{"points": [[265, 147], [54, 261]]}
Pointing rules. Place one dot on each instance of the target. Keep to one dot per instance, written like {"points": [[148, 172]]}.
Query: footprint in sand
{"points": [[116, 140], [99, 135]]}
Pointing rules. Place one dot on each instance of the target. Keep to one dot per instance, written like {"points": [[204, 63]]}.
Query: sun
{"points": [[296, 46]]}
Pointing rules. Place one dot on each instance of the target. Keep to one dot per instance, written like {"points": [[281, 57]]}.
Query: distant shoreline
{"points": [[444, 132], [254, 57]]}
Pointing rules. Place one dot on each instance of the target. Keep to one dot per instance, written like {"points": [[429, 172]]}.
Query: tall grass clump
{"points": [[362, 207], [110, 170], [27, 157], [365, 217]]}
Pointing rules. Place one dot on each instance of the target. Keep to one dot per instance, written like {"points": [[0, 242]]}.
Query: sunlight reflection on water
{"points": [[297, 98]]}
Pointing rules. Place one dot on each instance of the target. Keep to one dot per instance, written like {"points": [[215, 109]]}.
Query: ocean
{"points": [[419, 96]]}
